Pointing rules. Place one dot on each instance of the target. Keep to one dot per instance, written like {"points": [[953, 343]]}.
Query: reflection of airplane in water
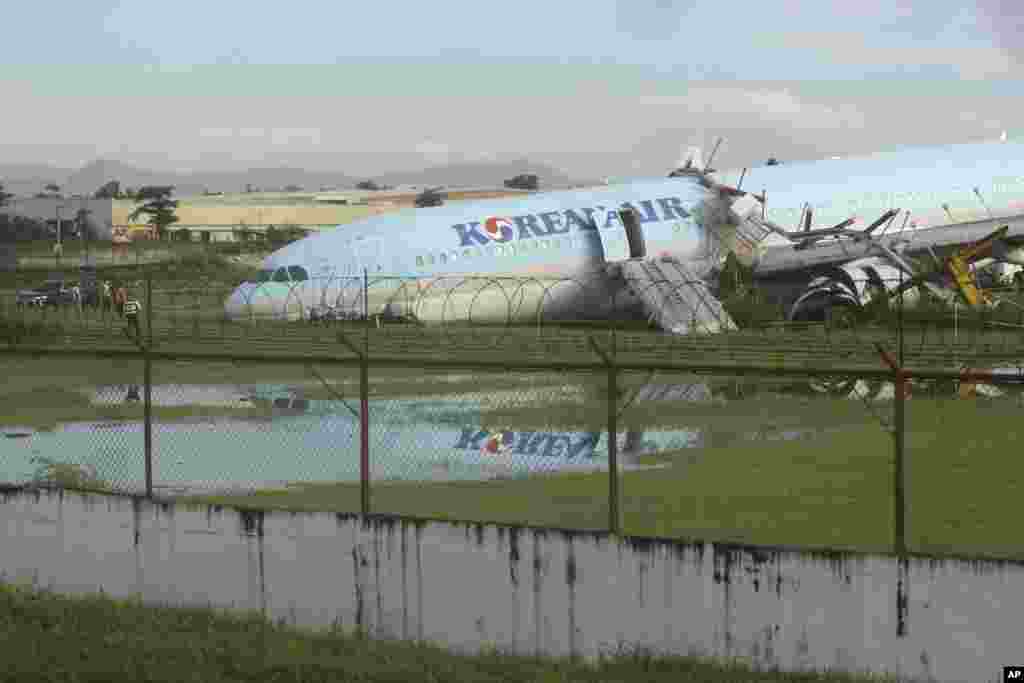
{"points": [[453, 438], [654, 248]]}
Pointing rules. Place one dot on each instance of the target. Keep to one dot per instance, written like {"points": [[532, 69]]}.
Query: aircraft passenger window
{"points": [[419, 261], [467, 252], [281, 275], [264, 276], [444, 257], [298, 273]]}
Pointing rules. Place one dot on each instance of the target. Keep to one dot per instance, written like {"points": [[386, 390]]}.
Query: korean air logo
{"points": [[498, 229], [496, 445]]}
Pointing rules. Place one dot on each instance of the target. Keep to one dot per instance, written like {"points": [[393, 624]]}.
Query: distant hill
{"points": [[93, 175], [28, 179]]}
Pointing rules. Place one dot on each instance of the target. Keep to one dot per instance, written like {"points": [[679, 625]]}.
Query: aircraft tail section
{"points": [[675, 297]]}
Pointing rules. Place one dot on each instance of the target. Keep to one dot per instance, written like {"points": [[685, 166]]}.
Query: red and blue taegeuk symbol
{"points": [[498, 229]]}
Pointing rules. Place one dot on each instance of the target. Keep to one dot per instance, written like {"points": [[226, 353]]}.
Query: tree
{"points": [[111, 190], [368, 185], [292, 188], [429, 197], [82, 224], [523, 181], [53, 189], [273, 236], [158, 207], [20, 228], [5, 197]]}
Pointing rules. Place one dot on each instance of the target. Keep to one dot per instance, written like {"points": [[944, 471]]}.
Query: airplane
{"points": [[951, 198], [642, 248], [650, 248]]}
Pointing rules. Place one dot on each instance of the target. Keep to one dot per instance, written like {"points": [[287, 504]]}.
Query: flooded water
{"points": [[531, 591], [303, 440]]}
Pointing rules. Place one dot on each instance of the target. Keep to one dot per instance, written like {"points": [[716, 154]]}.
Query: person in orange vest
{"points": [[120, 298]]}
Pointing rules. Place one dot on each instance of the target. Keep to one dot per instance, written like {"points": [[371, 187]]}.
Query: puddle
{"points": [[308, 440], [472, 436], [531, 591]]}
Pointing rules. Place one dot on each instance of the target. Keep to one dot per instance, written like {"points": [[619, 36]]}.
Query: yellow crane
{"points": [[958, 265]]}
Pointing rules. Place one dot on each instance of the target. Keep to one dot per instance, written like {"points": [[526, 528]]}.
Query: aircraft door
{"points": [[621, 235], [634, 233]]}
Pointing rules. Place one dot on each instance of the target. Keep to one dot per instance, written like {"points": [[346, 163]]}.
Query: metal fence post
{"points": [[613, 456], [898, 434], [364, 435], [148, 379], [364, 422], [364, 403], [614, 524]]}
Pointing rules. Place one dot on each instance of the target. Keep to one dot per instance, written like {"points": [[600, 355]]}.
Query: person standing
{"points": [[131, 309], [107, 296], [120, 297]]}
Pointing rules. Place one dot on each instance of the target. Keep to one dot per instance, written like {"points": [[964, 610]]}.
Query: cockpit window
{"points": [[298, 273], [281, 275]]}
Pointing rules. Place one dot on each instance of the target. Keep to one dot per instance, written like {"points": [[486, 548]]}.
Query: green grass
{"points": [[46, 406], [44, 392], [48, 637], [964, 480]]}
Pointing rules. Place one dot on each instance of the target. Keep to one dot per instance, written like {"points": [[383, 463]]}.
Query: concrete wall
{"points": [[530, 591]]}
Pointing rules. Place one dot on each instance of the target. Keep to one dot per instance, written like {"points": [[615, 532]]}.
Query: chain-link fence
{"points": [[778, 433], [787, 458]]}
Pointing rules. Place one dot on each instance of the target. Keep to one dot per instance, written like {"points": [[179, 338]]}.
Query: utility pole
{"points": [[58, 248]]}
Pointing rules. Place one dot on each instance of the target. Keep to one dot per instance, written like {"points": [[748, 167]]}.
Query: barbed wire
{"points": [[492, 314]]}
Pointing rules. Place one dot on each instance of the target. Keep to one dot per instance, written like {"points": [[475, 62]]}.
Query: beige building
{"points": [[217, 218]]}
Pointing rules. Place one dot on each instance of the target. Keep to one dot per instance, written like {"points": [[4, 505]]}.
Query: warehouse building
{"points": [[64, 215]]}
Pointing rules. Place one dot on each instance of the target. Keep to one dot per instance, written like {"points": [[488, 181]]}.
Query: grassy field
{"points": [[96, 639], [191, 328], [44, 392], [963, 472]]}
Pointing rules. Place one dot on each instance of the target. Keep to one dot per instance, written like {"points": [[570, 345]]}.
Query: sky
{"points": [[603, 88]]}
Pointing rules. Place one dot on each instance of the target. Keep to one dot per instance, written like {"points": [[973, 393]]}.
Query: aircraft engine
{"points": [[1013, 255], [848, 289]]}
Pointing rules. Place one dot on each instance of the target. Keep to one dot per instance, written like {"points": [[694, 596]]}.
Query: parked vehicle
{"points": [[50, 293]]}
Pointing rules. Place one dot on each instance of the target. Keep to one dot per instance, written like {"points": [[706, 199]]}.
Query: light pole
{"points": [[58, 248]]}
